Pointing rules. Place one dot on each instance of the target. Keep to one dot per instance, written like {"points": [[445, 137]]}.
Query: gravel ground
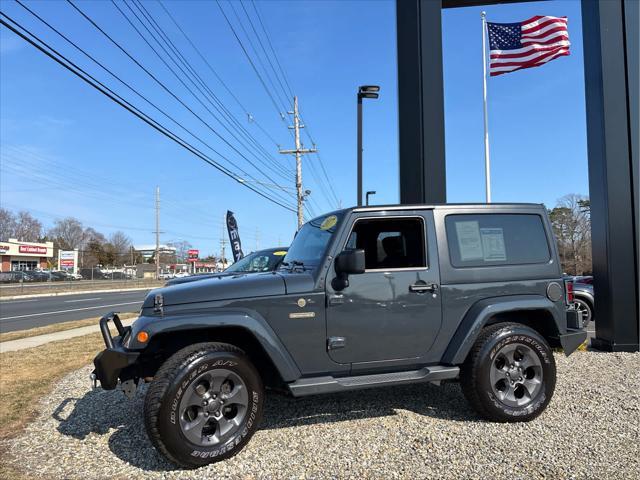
{"points": [[590, 430]]}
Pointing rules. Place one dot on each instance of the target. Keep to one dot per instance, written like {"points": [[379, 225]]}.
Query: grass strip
{"points": [[27, 375]]}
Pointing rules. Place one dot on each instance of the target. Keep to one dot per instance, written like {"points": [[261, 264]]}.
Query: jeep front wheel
{"points": [[204, 404], [510, 373]]}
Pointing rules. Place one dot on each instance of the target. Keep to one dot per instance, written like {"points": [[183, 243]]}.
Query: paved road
{"points": [[37, 312]]}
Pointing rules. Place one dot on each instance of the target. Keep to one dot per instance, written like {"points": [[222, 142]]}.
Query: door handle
{"points": [[422, 287], [334, 343]]}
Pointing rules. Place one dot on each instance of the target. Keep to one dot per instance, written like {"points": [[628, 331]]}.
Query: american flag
{"points": [[531, 43]]}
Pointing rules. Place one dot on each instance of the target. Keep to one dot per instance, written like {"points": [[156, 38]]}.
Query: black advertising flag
{"points": [[234, 236]]}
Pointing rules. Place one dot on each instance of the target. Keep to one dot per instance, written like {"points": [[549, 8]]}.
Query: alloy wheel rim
{"points": [[516, 375], [213, 407], [584, 310]]}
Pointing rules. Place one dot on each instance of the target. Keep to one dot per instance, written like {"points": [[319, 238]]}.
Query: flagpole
{"points": [[487, 163]]}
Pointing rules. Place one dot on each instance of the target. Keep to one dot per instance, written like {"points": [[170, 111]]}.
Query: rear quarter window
{"points": [[479, 240]]}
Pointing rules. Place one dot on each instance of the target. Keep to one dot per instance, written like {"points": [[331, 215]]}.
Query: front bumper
{"points": [[111, 361]]}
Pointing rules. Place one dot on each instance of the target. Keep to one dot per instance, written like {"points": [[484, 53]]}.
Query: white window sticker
{"points": [[469, 241], [493, 244]]}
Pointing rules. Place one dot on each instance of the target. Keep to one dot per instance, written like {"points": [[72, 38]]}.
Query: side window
{"points": [[496, 239], [390, 243]]}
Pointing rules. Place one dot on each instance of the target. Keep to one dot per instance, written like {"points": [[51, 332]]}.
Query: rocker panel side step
{"points": [[328, 384]]}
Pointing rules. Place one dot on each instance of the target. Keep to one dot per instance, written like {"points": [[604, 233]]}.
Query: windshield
{"points": [[312, 240], [263, 261]]}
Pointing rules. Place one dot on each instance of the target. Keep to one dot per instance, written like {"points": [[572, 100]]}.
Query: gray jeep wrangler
{"points": [[365, 297]]}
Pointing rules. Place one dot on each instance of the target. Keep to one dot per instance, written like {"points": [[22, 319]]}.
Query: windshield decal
{"points": [[329, 222]]}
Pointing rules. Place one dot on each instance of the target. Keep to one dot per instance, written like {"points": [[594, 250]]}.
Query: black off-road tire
{"points": [[475, 376], [161, 407]]}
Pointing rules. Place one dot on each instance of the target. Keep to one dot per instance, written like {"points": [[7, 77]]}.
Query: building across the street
{"points": [[148, 251], [25, 256]]}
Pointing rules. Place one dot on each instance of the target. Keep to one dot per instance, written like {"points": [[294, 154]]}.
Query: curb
{"points": [[81, 292]]}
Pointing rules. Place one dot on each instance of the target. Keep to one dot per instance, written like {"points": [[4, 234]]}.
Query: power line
{"points": [[217, 103], [253, 28], [203, 58], [132, 89], [87, 78], [175, 74], [266, 34], [244, 50], [317, 177]]}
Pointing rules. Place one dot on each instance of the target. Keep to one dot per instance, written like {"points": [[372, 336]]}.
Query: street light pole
{"points": [[370, 192], [364, 91], [359, 149]]}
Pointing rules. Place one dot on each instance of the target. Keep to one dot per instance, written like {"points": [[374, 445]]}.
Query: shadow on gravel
{"points": [[100, 412], [445, 401]]}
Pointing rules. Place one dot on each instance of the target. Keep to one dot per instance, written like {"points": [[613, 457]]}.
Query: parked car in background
{"points": [[39, 276], [266, 260], [61, 276], [584, 300], [92, 274], [15, 277]]}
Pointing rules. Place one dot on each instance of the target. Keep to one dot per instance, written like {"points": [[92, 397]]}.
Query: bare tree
{"points": [[68, 233], [91, 251], [120, 246], [27, 228], [7, 224], [572, 228], [182, 249]]}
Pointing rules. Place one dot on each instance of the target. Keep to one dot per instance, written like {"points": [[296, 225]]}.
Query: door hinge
{"points": [[337, 299], [334, 343]]}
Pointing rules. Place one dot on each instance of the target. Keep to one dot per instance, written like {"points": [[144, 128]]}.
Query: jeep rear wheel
{"points": [[204, 404], [510, 373]]}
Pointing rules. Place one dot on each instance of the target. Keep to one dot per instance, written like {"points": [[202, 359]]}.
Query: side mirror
{"points": [[348, 262]]}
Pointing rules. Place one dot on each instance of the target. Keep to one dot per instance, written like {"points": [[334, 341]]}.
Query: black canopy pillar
{"points": [[610, 36], [421, 102]]}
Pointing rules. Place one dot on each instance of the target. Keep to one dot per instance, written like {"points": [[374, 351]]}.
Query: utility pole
{"points": [[223, 242], [157, 233], [257, 239], [298, 152]]}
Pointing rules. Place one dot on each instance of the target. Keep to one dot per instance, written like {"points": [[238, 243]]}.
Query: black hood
{"points": [[223, 287]]}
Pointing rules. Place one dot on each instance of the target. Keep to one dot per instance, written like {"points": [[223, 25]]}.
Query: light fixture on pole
{"points": [[370, 192], [364, 91]]}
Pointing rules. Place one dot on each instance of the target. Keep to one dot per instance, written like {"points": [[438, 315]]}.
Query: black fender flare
{"points": [[479, 314], [245, 319]]}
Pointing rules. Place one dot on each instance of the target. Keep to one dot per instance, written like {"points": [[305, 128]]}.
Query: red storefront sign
{"points": [[66, 263], [32, 249], [193, 255]]}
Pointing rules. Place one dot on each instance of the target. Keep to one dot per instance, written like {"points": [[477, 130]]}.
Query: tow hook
{"points": [[94, 381]]}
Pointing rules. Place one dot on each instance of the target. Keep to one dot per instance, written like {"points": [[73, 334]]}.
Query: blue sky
{"points": [[67, 150]]}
